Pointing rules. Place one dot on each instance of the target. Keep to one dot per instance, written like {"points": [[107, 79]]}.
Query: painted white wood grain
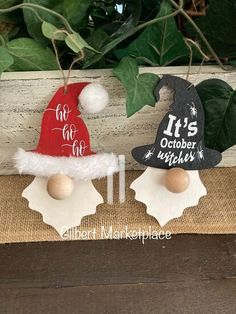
{"points": [[24, 96], [64, 214], [162, 204]]}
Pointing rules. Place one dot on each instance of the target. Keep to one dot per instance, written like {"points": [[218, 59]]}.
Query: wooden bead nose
{"points": [[60, 186], [176, 180]]}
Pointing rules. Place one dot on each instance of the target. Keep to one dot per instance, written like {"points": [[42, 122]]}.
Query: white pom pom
{"points": [[93, 98]]}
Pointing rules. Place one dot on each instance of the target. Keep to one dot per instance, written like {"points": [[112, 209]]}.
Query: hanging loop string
{"points": [[188, 43], [65, 78], [199, 71]]}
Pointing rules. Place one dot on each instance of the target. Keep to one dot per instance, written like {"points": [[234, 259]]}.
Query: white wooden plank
{"points": [[35, 75], [24, 96]]}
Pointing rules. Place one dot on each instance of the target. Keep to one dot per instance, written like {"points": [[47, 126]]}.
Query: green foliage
{"points": [[219, 27], [34, 24], [29, 55], [219, 102], [8, 3], [128, 26], [159, 44], [77, 11], [52, 32], [139, 87], [6, 59], [76, 43]]}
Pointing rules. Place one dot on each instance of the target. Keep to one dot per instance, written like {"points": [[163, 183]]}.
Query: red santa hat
{"points": [[64, 144]]}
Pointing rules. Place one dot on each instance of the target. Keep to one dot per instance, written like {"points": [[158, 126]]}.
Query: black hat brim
{"points": [[211, 159]]}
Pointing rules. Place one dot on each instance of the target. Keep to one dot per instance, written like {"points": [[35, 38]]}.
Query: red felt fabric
{"points": [[63, 132]]}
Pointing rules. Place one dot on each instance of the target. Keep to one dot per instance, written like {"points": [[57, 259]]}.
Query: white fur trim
{"points": [[93, 98], [81, 168]]}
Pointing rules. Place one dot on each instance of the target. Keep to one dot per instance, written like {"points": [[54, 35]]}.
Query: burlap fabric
{"points": [[215, 213]]}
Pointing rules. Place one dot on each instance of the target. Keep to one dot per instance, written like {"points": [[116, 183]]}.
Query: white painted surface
{"points": [[161, 203], [63, 214], [24, 96]]}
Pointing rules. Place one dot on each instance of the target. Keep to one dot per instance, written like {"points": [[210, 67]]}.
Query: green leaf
{"points": [[132, 10], [50, 30], [6, 59], [4, 4], [29, 55], [232, 62], [219, 27], [139, 87], [159, 44], [76, 43], [108, 47], [34, 24], [97, 38], [113, 43], [76, 11], [219, 102], [8, 28]]}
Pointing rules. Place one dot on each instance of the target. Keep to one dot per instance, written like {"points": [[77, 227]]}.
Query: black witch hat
{"points": [[180, 136]]}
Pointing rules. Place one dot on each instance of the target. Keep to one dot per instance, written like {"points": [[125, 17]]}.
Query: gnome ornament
{"points": [[171, 181], [63, 163]]}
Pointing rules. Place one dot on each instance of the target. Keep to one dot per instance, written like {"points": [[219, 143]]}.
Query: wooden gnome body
{"points": [[161, 203], [63, 160], [179, 146]]}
